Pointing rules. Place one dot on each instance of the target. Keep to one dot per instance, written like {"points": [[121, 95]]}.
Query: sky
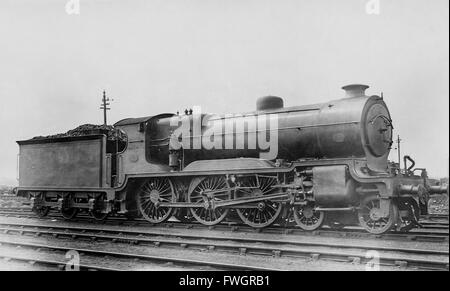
{"points": [[164, 56]]}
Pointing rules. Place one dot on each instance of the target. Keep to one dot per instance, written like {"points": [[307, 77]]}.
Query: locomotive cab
{"points": [[143, 147]]}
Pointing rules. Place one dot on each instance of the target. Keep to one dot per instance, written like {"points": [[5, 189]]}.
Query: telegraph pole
{"points": [[104, 107]]}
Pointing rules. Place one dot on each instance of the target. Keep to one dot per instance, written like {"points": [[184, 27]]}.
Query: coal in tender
{"points": [[111, 133]]}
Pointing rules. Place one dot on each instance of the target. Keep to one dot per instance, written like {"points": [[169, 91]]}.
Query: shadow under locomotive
{"points": [[331, 166]]}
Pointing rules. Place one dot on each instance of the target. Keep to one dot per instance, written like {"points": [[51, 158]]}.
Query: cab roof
{"points": [[128, 121]]}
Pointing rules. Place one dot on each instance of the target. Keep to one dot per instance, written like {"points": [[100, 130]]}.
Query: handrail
{"points": [[408, 158]]}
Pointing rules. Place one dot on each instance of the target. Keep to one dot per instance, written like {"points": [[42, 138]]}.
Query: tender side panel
{"points": [[76, 163]]}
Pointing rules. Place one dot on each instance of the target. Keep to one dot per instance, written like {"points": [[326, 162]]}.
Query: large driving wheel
{"points": [[206, 191], [260, 214], [151, 194], [371, 217], [307, 218]]}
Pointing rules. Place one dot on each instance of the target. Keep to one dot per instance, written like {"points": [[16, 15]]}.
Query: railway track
{"points": [[178, 262], [354, 253], [430, 229], [430, 221], [438, 216], [432, 216], [57, 264], [431, 232], [11, 197]]}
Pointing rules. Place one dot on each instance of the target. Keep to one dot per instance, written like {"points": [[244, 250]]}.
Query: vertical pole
{"points": [[104, 108], [398, 151]]}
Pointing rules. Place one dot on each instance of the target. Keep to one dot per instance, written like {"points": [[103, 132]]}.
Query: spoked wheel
{"points": [[371, 218], [151, 194], [99, 204], [69, 213], [409, 214], [205, 192], [41, 211], [260, 214], [307, 218], [98, 215]]}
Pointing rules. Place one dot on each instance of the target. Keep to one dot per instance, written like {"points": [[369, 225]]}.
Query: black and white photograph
{"points": [[222, 140]]}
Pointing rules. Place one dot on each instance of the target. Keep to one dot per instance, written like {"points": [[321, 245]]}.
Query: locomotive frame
{"points": [[309, 191]]}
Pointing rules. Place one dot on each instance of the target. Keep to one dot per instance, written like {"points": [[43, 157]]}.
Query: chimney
{"points": [[355, 90]]}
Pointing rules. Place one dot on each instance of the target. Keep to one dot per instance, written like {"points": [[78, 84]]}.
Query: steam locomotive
{"points": [[309, 165]]}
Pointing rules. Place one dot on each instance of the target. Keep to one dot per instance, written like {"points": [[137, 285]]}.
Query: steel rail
{"points": [[60, 265], [13, 210], [249, 246], [431, 236], [179, 261], [21, 228]]}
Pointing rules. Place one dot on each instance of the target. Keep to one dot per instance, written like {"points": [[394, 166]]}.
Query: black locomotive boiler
{"points": [[314, 164]]}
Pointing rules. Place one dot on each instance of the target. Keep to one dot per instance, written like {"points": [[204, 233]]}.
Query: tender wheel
{"points": [[41, 211], [69, 213], [263, 213], [307, 218], [370, 216], [97, 215], [205, 192], [151, 194]]}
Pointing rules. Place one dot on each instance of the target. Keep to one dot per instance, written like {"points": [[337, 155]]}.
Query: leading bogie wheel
{"points": [[151, 194], [371, 216], [307, 218]]}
